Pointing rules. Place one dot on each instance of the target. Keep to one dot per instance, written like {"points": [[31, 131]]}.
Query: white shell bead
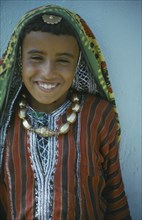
{"points": [[64, 128], [22, 113], [22, 104], [76, 107], [75, 98], [26, 124], [72, 117]]}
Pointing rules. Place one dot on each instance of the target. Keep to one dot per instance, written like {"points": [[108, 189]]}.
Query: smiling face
{"points": [[49, 63]]}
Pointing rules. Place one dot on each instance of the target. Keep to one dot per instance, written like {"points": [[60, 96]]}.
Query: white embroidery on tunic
{"points": [[78, 165], [43, 161], [78, 160]]}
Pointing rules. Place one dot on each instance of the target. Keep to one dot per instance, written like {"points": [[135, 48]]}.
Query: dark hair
{"points": [[37, 24]]}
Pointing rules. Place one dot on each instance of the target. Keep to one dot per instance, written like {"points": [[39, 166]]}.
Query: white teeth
{"points": [[47, 86]]}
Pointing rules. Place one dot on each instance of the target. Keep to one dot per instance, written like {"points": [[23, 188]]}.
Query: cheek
{"points": [[70, 73], [27, 70], [27, 64], [68, 76], [25, 74]]}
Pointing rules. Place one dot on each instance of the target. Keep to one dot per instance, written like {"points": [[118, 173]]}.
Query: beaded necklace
{"points": [[45, 131]]}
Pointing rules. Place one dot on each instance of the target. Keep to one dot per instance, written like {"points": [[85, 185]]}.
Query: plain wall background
{"points": [[117, 26]]}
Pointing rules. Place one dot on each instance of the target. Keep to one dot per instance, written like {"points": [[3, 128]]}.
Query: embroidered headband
{"points": [[51, 19]]}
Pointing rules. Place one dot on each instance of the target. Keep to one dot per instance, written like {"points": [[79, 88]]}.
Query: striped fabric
{"points": [[86, 182]]}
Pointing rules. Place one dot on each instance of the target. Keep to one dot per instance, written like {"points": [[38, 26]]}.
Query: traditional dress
{"points": [[73, 176]]}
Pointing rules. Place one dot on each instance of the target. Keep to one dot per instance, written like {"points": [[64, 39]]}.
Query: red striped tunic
{"points": [[87, 182]]}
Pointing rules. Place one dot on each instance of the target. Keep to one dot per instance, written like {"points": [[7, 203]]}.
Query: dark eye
{"points": [[36, 58], [63, 61]]}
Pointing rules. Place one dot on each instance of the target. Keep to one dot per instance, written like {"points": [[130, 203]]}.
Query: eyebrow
{"points": [[65, 54], [58, 54], [35, 51]]}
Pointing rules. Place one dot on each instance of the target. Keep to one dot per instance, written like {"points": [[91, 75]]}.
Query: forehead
{"points": [[46, 41]]}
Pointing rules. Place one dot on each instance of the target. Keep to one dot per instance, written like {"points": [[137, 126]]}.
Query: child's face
{"points": [[49, 63]]}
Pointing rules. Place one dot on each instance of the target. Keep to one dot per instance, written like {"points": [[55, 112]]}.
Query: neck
{"points": [[47, 108]]}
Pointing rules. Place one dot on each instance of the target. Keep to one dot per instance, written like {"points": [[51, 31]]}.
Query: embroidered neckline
{"points": [[44, 131]]}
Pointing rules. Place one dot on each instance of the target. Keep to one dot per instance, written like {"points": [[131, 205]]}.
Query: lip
{"points": [[47, 86]]}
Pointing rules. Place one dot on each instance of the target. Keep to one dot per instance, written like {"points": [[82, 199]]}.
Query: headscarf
{"points": [[10, 76]]}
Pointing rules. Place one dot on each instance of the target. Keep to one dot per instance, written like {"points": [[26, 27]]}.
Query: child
{"points": [[59, 137]]}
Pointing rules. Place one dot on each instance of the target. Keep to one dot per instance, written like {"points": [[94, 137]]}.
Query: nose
{"points": [[48, 69]]}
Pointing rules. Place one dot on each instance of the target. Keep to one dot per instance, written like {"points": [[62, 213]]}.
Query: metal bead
{"points": [[76, 107], [44, 132], [26, 124], [72, 117], [40, 131], [64, 128]]}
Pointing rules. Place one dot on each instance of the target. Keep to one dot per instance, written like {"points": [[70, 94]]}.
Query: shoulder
{"points": [[97, 111], [96, 104]]}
